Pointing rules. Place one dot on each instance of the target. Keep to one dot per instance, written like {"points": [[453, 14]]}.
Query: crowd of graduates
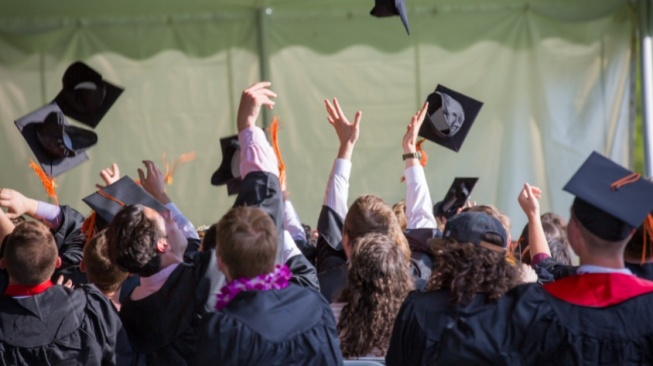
{"points": [[409, 284]]}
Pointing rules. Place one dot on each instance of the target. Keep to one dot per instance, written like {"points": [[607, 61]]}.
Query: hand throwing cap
{"points": [[449, 117], [610, 200], [85, 97]]}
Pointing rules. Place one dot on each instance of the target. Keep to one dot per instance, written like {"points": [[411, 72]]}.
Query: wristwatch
{"points": [[414, 155]]}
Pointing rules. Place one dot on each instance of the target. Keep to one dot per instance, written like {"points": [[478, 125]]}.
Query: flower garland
{"points": [[275, 280]]}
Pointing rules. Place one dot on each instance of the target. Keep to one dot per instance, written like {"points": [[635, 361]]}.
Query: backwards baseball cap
{"points": [[478, 228], [610, 200], [56, 144], [388, 8], [455, 198], [229, 171], [85, 97], [449, 117]]}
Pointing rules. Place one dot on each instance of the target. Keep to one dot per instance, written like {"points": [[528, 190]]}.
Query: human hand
{"points": [[17, 204], [409, 140], [347, 132], [68, 283], [529, 201], [251, 101], [153, 182], [109, 176], [527, 273]]}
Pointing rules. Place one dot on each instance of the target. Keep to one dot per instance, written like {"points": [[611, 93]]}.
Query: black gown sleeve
{"points": [[303, 272], [408, 340], [329, 242], [549, 270], [69, 237]]}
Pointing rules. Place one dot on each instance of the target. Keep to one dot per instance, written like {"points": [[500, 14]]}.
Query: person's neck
{"points": [[169, 259], [616, 262], [114, 297]]}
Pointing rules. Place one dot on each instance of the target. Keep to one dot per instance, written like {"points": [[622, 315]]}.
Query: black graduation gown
{"points": [[641, 270], [293, 326], [60, 326], [163, 327], [589, 319]]}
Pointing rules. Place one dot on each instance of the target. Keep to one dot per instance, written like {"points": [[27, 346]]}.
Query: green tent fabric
{"points": [[555, 77]]}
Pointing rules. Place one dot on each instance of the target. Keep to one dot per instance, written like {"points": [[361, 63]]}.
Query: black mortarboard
{"points": [[610, 200], [229, 171], [108, 201], [455, 198], [57, 145], [388, 8], [449, 117], [85, 97], [474, 227]]}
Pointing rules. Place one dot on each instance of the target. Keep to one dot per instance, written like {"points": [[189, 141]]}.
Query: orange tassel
{"points": [[423, 160], [170, 169], [48, 181], [88, 227], [274, 135], [647, 235]]}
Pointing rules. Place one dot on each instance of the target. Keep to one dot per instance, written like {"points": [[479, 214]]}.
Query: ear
{"points": [[58, 264], [162, 245], [82, 266]]}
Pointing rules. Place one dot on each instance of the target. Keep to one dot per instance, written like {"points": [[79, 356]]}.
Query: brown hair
{"points": [[247, 242], [466, 269], [379, 280], [99, 270], [557, 244], [369, 214], [399, 209], [30, 253]]}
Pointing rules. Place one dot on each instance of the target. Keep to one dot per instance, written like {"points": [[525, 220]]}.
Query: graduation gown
{"points": [[163, 327], [293, 326], [588, 319], [60, 326]]}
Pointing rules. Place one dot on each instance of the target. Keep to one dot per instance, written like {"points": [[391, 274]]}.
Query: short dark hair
{"points": [[99, 270], [30, 253], [247, 242], [132, 239]]}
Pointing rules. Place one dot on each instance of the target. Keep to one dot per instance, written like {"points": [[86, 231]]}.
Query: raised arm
{"points": [[529, 202], [419, 207]]}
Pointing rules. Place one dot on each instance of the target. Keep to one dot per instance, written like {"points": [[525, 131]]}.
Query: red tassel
{"points": [[88, 227], [274, 135], [48, 181]]}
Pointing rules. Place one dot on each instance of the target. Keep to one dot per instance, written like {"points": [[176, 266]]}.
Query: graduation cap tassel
{"points": [[88, 227], [423, 160], [48, 181], [647, 235], [274, 135], [172, 168]]}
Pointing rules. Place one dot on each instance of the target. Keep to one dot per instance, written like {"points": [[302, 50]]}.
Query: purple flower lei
{"points": [[275, 280]]}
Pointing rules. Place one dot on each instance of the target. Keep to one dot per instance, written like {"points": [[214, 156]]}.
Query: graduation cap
{"points": [[610, 200], [388, 8], [56, 144], [449, 117], [85, 97], [108, 201], [229, 171], [474, 227], [455, 198]]}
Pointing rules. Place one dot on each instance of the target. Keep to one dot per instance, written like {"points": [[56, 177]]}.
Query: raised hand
{"points": [[109, 176], [529, 201], [16, 203], [409, 141], [347, 132], [251, 101], [153, 182]]}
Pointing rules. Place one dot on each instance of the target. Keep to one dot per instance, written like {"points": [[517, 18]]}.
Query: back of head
{"points": [[601, 232], [471, 259], [557, 244], [30, 253], [492, 211], [369, 214], [247, 242], [379, 279], [131, 239], [100, 271]]}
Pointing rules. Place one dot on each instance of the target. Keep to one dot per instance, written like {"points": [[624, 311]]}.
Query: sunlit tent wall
{"points": [[555, 77]]}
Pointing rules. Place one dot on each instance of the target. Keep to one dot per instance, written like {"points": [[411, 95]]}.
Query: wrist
{"points": [[31, 205], [163, 198], [345, 151]]}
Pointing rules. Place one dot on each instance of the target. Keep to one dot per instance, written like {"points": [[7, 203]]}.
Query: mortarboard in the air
{"points": [[388, 8], [108, 201], [56, 144], [85, 96], [229, 171], [610, 200], [455, 198], [449, 117]]}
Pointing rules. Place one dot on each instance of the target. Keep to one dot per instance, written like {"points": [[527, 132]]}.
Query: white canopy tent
{"points": [[555, 77]]}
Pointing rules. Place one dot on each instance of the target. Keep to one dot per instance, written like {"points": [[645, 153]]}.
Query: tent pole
{"points": [[263, 57], [645, 12]]}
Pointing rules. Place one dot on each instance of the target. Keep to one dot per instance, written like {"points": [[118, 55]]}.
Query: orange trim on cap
{"points": [[630, 178]]}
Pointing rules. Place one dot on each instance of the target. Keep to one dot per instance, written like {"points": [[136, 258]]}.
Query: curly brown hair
{"points": [[466, 269], [378, 282]]}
